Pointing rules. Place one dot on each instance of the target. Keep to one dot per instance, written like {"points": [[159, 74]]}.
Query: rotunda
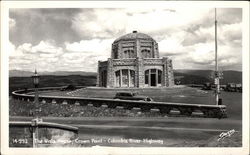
{"points": [[135, 62]]}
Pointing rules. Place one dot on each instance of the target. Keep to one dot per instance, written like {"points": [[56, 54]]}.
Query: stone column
{"points": [[120, 78], [149, 78], [129, 78], [137, 48], [156, 51], [98, 75], [112, 51], [120, 54], [168, 72], [110, 76], [140, 72], [164, 72]]}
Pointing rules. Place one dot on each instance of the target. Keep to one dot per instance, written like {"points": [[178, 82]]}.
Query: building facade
{"points": [[135, 62]]}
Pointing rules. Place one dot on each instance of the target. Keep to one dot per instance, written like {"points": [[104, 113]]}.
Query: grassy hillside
{"points": [[16, 83], [201, 76]]}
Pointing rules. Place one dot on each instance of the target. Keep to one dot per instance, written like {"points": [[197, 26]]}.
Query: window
{"points": [[153, 77], [129, 54], [125, 78], [115, 54], [146, 53], [117, 78], [159, 76], [146, 76], [132, 78]]}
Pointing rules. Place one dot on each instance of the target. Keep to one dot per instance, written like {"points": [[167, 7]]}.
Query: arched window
{"points": [[153, 77], [146, 53], [129, 54], [125, 78]]}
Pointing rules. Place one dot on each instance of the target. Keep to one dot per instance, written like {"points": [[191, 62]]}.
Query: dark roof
{"points": [[134, 35]]}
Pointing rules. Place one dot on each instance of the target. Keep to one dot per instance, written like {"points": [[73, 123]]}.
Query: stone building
{"points": [[135, 62]]}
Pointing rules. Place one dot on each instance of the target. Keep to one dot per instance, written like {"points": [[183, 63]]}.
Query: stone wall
{"points": [[102, 66], [137, 46], [168, 72], [139, 65]]}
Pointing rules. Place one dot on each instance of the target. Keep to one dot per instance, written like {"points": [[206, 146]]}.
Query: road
{"points": [[172, 131]]}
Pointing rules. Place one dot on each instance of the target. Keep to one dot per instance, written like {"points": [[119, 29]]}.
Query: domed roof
{"points": [[134, 35]]}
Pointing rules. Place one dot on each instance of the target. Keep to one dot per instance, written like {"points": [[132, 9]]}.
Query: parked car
{"points": [[234, 87], [207, 86], [131, 96], [68, 87]]}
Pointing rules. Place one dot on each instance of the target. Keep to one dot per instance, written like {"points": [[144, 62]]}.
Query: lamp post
{"points": [[36, 118], [35, 78]]}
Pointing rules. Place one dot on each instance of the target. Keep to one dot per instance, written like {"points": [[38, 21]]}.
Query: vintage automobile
{"points": [[68, 88], [207, 86], [131, 96], [234, 87]]}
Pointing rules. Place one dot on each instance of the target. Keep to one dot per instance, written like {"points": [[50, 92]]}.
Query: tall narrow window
{"points": [[115, 53], [117, 79], [132, 78], [125, 77], [146, 53], [146, 76], [104, 78], [159, 76]]}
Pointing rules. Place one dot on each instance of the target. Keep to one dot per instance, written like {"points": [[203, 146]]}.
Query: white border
{"points": [[5, 5]]}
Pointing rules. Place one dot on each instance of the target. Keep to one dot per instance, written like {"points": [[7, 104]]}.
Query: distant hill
{"points": [[202, 76], [16, 83], [20, 79], [19, 73]]}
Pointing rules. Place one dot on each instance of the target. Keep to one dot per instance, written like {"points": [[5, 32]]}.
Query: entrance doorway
{"points": [[153, 80]]}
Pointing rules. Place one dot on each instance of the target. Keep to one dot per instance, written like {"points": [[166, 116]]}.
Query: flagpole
{"points": [[217, 80]]}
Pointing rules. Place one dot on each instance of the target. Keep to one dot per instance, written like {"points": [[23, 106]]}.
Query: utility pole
{"points": [[216, 72]]}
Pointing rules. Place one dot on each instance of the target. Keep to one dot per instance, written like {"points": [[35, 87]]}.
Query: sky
{"points": [[72, 39]]}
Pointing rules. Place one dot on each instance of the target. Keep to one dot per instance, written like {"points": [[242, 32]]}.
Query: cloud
{"points": [[11, 48], [75, 39], [41, 56], [35, 25], [97, 46], [12, 23], [87, 53], [99, 23], [47, 49], [231, 33], [46, 56]]}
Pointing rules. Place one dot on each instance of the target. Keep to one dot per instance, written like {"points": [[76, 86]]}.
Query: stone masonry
{"points": [[135, 62]]}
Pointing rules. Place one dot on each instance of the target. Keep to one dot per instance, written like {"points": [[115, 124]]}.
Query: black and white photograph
{"points": [[109, 76]]}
